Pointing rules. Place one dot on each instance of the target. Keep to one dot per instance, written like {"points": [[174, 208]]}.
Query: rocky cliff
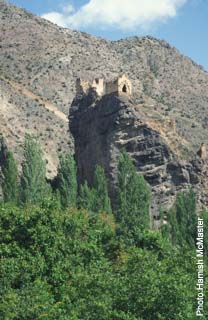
{"points": [[39, 65], [103, 127]]}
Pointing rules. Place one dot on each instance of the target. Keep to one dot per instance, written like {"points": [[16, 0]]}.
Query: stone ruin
{"points": [[83, 86], [120, 86]]}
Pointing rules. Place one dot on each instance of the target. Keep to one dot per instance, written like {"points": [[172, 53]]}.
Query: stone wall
{"points": [[121, 85], [124, 85], [111, 87], [83, 86], [99, 86]]}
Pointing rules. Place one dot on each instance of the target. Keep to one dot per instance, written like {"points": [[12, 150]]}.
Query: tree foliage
{"points": [[204, 216], [96, 199], [3, 150], [60, 262], [183, 219], [87, 197], [133, 197], [70, 264], [10, 178], [102, 200], [67, 181], [33, 180]]}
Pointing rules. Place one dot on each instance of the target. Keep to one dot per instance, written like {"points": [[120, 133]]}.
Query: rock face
{"points": [[103, 127]]}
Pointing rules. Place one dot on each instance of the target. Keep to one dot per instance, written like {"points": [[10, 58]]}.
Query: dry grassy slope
{"points": [[44, 60], [21, 111]]}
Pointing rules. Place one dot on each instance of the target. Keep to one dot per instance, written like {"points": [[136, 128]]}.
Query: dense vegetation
{"points": [[68, 255]]}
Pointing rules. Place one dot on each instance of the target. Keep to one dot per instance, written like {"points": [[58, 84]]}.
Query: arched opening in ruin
{"points": [[124, 89]]}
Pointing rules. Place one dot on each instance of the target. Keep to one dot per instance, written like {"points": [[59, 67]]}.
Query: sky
{"points": [[183, 23]]}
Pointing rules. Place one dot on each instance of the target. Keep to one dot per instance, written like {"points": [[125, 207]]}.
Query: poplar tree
{"points": [[10, 178], [183, 219], [87, 197], [3, 150], [133, 197], [67, 181], [102, 200], [204, 216], [33, 180], [96, 199]]}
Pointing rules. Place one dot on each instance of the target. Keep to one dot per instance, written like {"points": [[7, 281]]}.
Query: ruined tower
{"points": [[119, 86], [83, 86]]}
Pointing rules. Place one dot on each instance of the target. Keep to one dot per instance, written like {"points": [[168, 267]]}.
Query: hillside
{"points": [[39, 63]]}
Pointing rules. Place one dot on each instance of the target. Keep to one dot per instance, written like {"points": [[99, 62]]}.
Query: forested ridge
{"points": [[67, 253]]}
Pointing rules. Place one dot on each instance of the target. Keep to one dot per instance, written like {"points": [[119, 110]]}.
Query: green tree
{"points": [[69, 264], [151, 288], [102, 200], [183, 219], [204, 216], [133, 197], [3, 150], [33, 180], [67, 181], [96, 199], [43, 250], [87, 197], [10, 178]]}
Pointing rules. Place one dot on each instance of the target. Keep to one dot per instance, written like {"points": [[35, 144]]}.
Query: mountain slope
{"points": [[39, 63]]}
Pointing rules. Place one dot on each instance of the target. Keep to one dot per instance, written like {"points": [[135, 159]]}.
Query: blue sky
{"points": [[183, 23]]}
